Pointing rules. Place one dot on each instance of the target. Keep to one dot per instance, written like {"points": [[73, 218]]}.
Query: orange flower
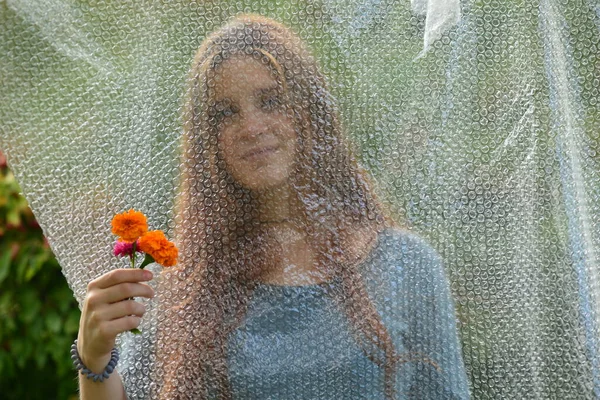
{"points": [[130, 225], [162, 250]]}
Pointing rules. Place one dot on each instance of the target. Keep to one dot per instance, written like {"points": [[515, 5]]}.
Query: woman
{"points": [[292, 283]]}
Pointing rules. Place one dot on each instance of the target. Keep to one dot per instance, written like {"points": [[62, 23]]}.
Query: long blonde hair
{"points": [[223, 246]]}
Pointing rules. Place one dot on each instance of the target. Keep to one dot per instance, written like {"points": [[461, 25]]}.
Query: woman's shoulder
{"points": [[402, 245], [402, 256]]}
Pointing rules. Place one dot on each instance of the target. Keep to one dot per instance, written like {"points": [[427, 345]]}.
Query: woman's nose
{"points": [[253, 125]]}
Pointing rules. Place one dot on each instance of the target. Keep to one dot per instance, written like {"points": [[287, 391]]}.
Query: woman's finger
{"points": [[120, 325], [125, 291], [118, 276], [121, 309]]}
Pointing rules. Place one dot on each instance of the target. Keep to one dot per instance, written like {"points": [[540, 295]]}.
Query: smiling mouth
{"points": [[259, 152]]}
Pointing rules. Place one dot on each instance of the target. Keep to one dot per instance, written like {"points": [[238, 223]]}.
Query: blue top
{"points": [[294, 342]]}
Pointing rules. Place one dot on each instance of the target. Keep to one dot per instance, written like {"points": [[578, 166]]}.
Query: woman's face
{"points": [[257, 138]]}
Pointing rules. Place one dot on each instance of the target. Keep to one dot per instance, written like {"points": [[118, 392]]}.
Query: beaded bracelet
{"points": [[114, 357]]}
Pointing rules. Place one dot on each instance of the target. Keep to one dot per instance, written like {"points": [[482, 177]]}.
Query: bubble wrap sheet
{"points": [[373, 199]]}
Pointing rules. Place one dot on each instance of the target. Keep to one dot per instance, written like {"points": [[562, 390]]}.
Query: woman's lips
{"points": [[258, 153]]}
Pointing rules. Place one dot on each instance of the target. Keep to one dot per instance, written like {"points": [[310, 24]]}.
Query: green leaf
{"points": [[53, 321], [58, 348], [40, 358], [4, 263], [34, 266], [13, 216], [30, 305], [147, 260], [4, 361], [20, 351], [6, 303], [61, 297], [72, 323], [22, 264], [36, 328], [10, 326]]}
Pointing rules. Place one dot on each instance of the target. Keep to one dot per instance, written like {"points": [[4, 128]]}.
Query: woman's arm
{"points": [[433, 333], [108, 311], [111, 388]]}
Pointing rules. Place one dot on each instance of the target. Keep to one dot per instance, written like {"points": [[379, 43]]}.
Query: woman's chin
{"points": [[264, 179]]}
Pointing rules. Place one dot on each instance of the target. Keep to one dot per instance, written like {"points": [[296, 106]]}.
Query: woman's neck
{"points": [[290, 258], [275, 205]]}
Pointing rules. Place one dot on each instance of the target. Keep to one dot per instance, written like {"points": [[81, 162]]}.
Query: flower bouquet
{"points": [[131, 228]]}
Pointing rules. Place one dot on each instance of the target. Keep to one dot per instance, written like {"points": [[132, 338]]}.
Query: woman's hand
{"points": [[107, 311]]}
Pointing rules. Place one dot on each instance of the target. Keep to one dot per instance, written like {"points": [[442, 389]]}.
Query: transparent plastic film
{"points": [[371, 199]]}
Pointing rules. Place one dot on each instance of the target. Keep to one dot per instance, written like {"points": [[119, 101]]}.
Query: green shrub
{"points": [[39, 317]]}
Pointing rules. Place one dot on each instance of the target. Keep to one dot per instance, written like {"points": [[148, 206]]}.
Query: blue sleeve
{"points": [[432, 339]]}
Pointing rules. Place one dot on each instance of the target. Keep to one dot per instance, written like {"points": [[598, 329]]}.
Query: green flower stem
{"points": [[135, 331], [148, 259], [133, 252]]}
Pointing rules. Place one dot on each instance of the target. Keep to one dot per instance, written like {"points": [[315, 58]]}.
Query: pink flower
{"points": [[125, 249]]}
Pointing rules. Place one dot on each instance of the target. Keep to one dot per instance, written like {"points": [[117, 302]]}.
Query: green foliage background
{"points": [[39, 317]]}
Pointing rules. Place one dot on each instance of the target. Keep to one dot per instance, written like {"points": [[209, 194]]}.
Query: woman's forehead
{"points": [[243, 74]]}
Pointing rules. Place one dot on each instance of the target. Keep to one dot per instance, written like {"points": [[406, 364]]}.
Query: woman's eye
{"points": [[271, 102], [224, 112]]}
